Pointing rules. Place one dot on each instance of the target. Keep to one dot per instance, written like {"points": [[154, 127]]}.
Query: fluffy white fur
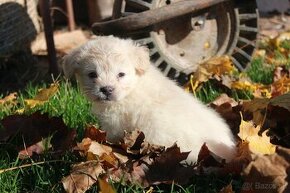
{"points": [[144, 99]]}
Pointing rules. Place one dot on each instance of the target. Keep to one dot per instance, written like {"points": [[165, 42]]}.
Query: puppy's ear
{"points": [[69, 65], [143, 59]]}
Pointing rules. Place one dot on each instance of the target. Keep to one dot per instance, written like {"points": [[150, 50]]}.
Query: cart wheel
{"points": [[179, 45]]}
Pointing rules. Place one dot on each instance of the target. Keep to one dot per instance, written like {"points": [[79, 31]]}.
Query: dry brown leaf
{"points": [[95, 134], [244, 85], [215, 67], [37, 148], [229, 112], [89, 147], [268, 173], [280, 72], [219, 65], [104, 153], [255, 104], [206, 158], [224, 98], [280, 86], [153, 168], [35, 127], [134, 143], [167, 167], [9, 99], [104, 186], [280, 39], [99, 149], [258, 107], [227, 189], [257, 144], [243, 158], [82, 176], [109, 160], [42, 96]]}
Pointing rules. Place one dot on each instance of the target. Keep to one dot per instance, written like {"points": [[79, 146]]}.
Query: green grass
{"points": [[43, 177], [211, 89], [208, 92], [260, 72], [68, 103], [285, 44]]}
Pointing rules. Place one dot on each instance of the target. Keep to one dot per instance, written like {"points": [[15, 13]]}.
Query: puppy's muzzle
{"points": [[107, 90]]}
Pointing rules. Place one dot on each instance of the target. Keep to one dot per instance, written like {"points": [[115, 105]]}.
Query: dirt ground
{"points": [[273, 24]]}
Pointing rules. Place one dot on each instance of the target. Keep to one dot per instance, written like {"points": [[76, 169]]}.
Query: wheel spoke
{"points": [[243, 53], [237, 64], [158, 62], [153, 51], [144, 41], [166, 70], [248, 42], [248, 16], [248, 29]]}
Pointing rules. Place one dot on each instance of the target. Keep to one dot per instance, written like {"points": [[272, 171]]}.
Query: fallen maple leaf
{"points": [[224, 98], [268, 173], [280, 72], [104, 153], [257, 144], [37, 148], [259, 106], [273, 113], [230, 110], [168, 168], [33, 128], [104, 185], [243, 85], [162, 166], [134, 143], [42, 96], [8, 99], [206, 158], [227, 189], [215, 67], [95, 134], [280, 86], [240, 161], [82, 177], [280, 39], [281, 101]]}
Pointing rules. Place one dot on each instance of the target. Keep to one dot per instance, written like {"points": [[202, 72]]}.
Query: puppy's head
{"points": [[108, 68]]}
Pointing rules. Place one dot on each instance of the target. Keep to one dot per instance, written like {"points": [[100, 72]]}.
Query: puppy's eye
{"points": [[121, 74], [92, 75]]}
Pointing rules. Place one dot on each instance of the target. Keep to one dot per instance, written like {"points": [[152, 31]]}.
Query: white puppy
{"points": [[129, 93]]}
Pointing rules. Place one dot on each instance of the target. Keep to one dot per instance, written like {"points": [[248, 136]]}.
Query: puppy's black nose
{"points": [[107, 90]]}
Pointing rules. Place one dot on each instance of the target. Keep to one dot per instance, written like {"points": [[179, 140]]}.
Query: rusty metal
{"points": [[48, 31], [70, 14], [152, 16]]}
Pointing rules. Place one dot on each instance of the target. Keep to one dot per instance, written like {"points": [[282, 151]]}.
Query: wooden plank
{"points": [[147, 18]]}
